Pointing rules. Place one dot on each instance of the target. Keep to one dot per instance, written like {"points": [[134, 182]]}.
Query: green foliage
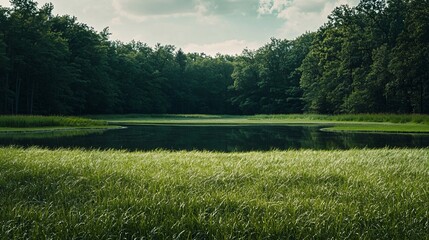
{"points": [[410, 61], [209, 79], [44, 133], [60, 66], [70, 194], [267, 81], [393, 118], [46, 121], [371, 58]]}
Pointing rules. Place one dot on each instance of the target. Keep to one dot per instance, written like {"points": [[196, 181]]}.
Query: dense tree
{"points": [[246, 78], [370, 58], [5, 94], [209, 81], [410, 61], [267, 80], [37, 57]]}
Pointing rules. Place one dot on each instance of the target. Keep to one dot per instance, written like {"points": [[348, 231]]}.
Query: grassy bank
{"points": [[392, 123], [29, 126], [368, 194], [46, 133], [387, 128], [355, 123], [47, 121], [351, 123], [380, 118]]}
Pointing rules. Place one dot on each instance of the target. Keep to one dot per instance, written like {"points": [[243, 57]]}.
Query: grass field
{"points": [[10, 121], [302, 194], [388, 128], [355, 123], [381, 118], [50, 132], [48, 126], [352, 123]]}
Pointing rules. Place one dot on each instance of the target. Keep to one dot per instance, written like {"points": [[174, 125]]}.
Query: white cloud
{"points": [[116, 21], [4, 3], [198, 9], [271, 6], [301, 15], [230, 47], [121, 9], [97, 14]]}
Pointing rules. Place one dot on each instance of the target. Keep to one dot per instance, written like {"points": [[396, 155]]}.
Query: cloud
{"points": [[4, 3], [230, 47], [158, 7], [97, 14], [272, 6], [300, 15], [139, 10], [231, 7]]}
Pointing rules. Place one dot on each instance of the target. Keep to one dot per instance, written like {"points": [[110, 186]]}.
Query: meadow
{"points": [[348, 122], [18, 121], [407, 123], [31, 127], [383, 118], [297, 194]]}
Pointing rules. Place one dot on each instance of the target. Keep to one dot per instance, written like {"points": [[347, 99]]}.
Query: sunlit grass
{"points": [[353, 123], [391, 118], [303, 194], [10, 121], [289, 118], [396, 128], [46, 133]]}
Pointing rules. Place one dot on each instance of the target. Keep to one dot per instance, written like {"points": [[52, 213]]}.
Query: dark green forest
{"points": [[372, 58]]}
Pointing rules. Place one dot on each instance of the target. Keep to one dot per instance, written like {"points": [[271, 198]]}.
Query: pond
{"points": [[216, 138]]}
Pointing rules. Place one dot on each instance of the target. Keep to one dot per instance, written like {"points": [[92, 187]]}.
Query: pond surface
{"points": [[217, 138]]}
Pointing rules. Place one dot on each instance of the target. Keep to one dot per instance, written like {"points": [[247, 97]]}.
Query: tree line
{"points": [[367, 59]]}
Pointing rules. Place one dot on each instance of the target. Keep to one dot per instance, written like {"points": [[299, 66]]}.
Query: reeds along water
{"points": [[19, 121], [392, 118]]}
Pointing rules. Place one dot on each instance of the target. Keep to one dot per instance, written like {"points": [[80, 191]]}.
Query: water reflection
{"points": [[223, 138]]}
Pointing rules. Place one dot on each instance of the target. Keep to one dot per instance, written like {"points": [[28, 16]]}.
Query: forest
{"points": [[372, 58]]}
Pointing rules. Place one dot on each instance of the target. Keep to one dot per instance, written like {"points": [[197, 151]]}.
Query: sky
{"points": [[209, 26]]}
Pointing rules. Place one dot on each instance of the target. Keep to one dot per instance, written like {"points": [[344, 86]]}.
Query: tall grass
{"points": [[47, 121], [30, 135], [121, 117], [392, 118], [76, 194]]}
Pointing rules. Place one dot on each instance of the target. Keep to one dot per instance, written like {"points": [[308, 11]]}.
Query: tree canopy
{"points": [[367, 59]]}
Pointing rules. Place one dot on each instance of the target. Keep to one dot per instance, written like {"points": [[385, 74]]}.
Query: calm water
{"points": [[218, 138]]}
